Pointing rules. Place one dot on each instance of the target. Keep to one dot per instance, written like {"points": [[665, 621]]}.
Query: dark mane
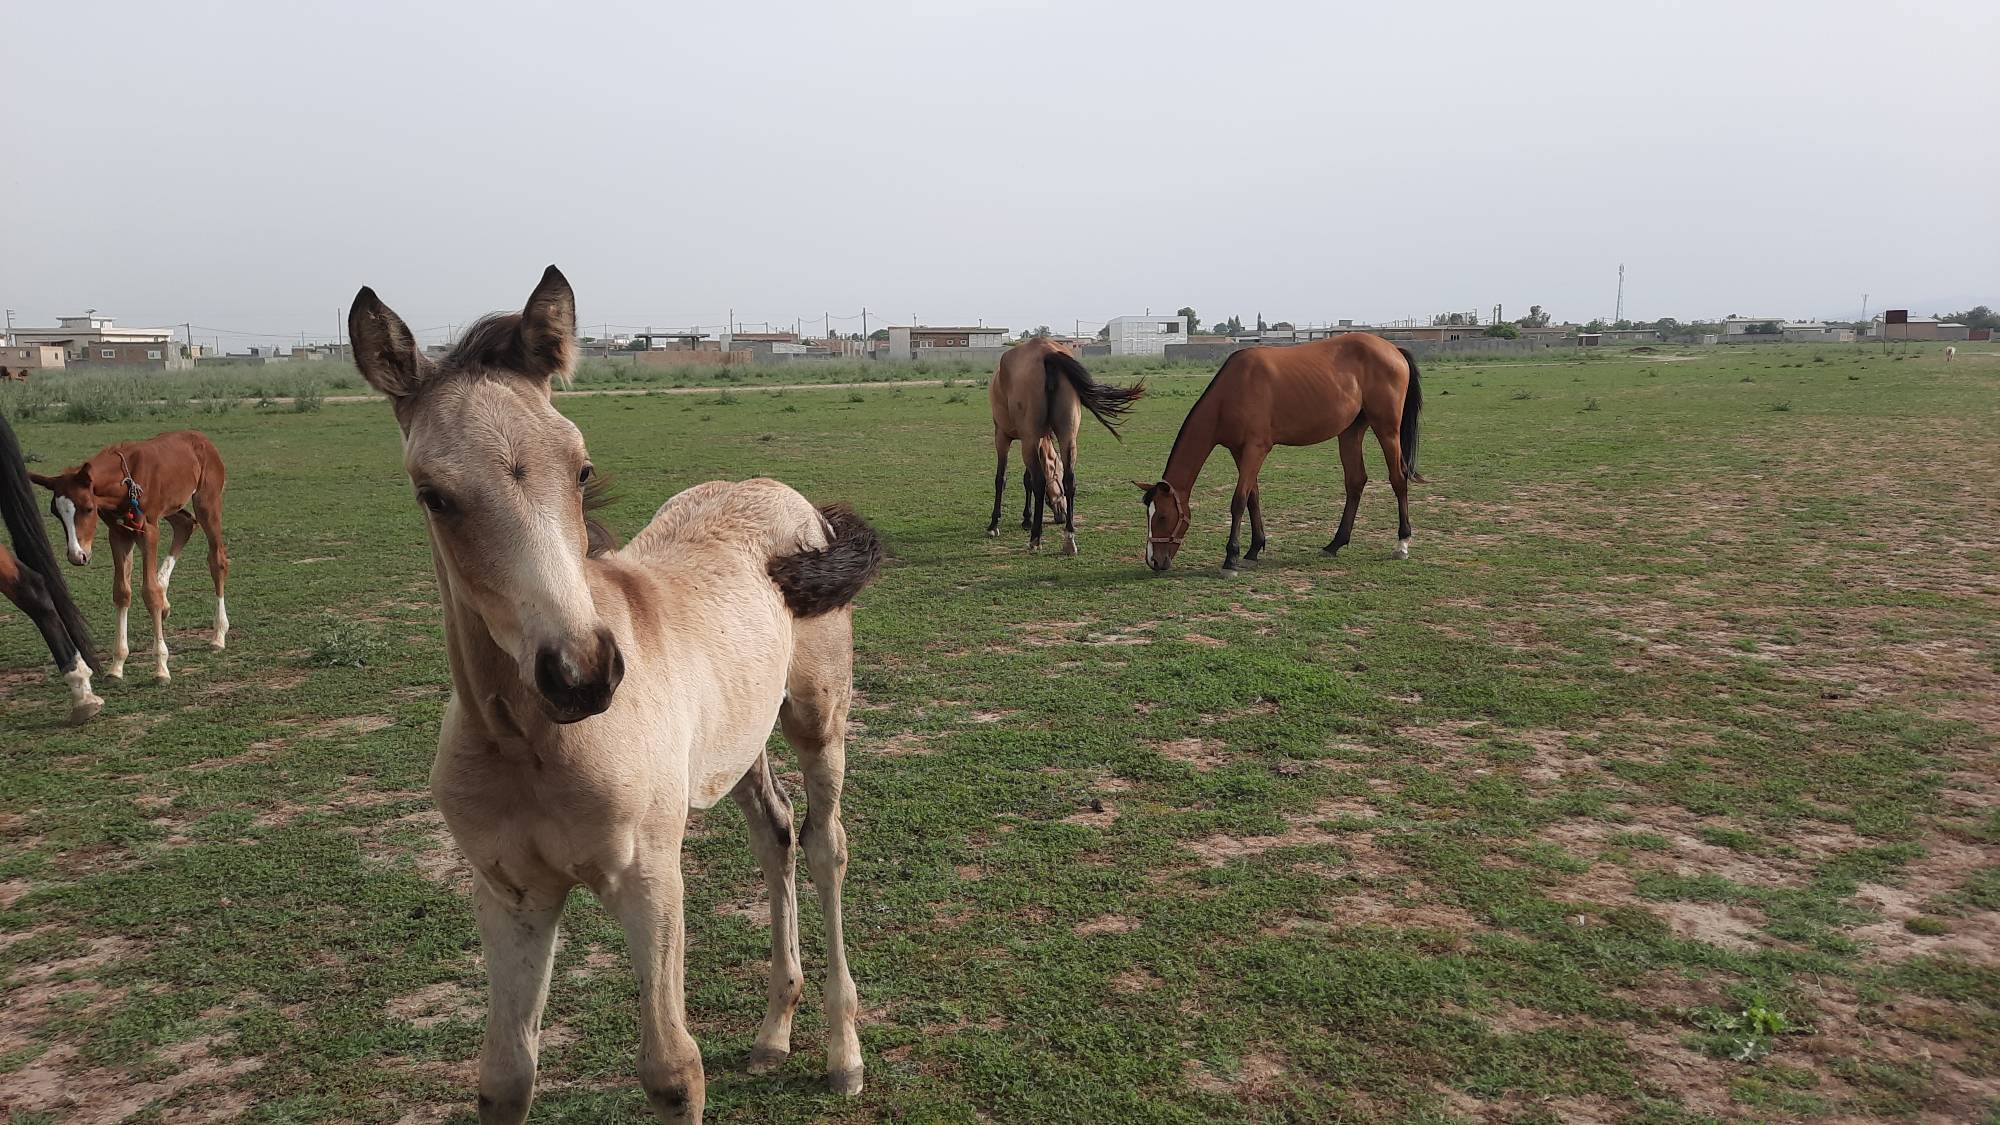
{"points": [[493, 342], [597, 494], [1213, 380]]}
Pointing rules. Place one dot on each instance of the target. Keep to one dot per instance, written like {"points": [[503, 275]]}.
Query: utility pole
{"points": [[1619, 314], [339, 332], [189, 329], [1864, 309], [864, 322], [10, 326]]}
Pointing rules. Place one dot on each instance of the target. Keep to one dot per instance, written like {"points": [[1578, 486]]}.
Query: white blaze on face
{"points": [[66, 512], [1149, 533]]}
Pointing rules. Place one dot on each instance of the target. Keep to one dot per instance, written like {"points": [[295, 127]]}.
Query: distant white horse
{"points": [[1949, 351]]}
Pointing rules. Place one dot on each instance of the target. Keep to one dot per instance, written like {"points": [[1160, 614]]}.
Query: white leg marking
{"points": [[221, 625], [167, 571], [83, 703], [160, 651], [123, 647], [1402, 549]]}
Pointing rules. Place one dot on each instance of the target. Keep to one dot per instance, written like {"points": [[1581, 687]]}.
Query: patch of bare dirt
{"points": [[1257, 1073], [1201, 753], [1204, 640], [351, 726], [1106, 924], [61, 1083], [756, 911], [1137, 980], [1100, 814], [908, 742], [435, 1004]]}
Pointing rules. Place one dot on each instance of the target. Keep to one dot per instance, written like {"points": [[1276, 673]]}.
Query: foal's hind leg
{"points": [[769, 815], [1392, 450], [815, 722], [183, 525], [1355, 470], [208, 512]]}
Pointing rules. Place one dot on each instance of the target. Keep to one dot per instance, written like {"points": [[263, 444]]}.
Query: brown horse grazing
{"points": [[34, 582], [1038, 397], [1301, 395], [601, 694], [134, 485]]}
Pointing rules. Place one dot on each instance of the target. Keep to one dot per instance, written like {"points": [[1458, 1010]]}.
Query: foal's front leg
{"points": [[646, 898], [519, 934]]}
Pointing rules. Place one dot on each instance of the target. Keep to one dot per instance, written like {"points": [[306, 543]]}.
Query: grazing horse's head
{"points": [[503, 480], [1167, 515], [75, 507]]}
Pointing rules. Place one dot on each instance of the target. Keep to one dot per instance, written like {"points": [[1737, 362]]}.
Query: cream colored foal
{"points": [[599, 694]]}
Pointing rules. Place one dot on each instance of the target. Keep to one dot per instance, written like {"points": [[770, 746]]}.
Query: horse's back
{"points": [[761, 516]]}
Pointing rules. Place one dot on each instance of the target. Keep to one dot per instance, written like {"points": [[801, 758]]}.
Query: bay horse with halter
{"points": [[1038, 396], [601, 693], [1301, 395], [134, 486], [31, 578]]}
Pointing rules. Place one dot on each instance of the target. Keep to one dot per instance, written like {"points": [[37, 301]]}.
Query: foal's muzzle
{"points": [[578, 684]]}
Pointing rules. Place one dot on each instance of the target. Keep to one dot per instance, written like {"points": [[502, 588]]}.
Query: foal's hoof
{"points": [[1402, 550], [846, 1083], [992, 533], [81, 710], [1231, 572], [1069, 548], [1330, 551], [218, 643], [161, 676], [764, 1060]]}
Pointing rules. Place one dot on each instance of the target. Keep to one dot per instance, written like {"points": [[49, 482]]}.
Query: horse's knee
{"points": [[674, 1087], [504, 1100]]}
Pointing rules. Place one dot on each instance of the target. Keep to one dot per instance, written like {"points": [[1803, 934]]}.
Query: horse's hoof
{"points": [[1402, 550], [992, 533], [1231, 572], [116, 671], [1330, 552], [1069, 548], [846, 1083], [764, 1060], [218, 644], [81, 711], [1034, 547]]}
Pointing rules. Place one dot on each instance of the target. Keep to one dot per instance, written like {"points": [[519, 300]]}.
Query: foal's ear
{"points": [[548, 328], [1142, 486], [46, 482], [384, 349]]}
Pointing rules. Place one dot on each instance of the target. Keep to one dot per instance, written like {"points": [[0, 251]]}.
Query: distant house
{"points": [[87, 339], [1778, 329], [909, 342], [31, 357], [1145, 335]]}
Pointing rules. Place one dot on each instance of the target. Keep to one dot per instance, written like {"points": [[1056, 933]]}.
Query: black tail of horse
{"points": [[1108, 404], [1413, 403], [826, 578], [31, 544]]}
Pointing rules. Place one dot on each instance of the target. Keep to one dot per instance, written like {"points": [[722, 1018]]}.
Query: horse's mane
{"points": [[596, 495], [493, 341], [1213, 380]]}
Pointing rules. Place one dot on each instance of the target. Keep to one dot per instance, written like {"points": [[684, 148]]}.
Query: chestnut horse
{"points": [[601, 694], [133, 486], [32, 580], [1300, 395], [1038, 396]]}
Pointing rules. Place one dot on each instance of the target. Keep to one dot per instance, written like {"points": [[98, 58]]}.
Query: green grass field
{"points": [[1657, 786]]}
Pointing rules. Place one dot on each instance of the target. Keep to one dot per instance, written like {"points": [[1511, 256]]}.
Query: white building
{"points": [[1145, 335]]}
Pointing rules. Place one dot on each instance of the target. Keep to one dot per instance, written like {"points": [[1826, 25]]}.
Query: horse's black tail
{"points": [[31, 544], [824, 579], [1108, 404], [1413, 403]]}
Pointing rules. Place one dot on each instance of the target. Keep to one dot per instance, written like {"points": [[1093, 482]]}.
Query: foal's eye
{"points": [[434, 500], [584, 474]]}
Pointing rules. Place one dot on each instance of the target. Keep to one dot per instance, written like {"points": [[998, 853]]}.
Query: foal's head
{"points": [[503, 481], [1167, 516], [75, 507]]}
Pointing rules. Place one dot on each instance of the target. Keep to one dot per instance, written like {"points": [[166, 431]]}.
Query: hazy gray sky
{"points": [[248, 165]]}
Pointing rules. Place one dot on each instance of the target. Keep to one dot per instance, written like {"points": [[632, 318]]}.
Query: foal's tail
{"points": [[1108, 404], [823, 579], [1413, 403], [31, 542]]}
